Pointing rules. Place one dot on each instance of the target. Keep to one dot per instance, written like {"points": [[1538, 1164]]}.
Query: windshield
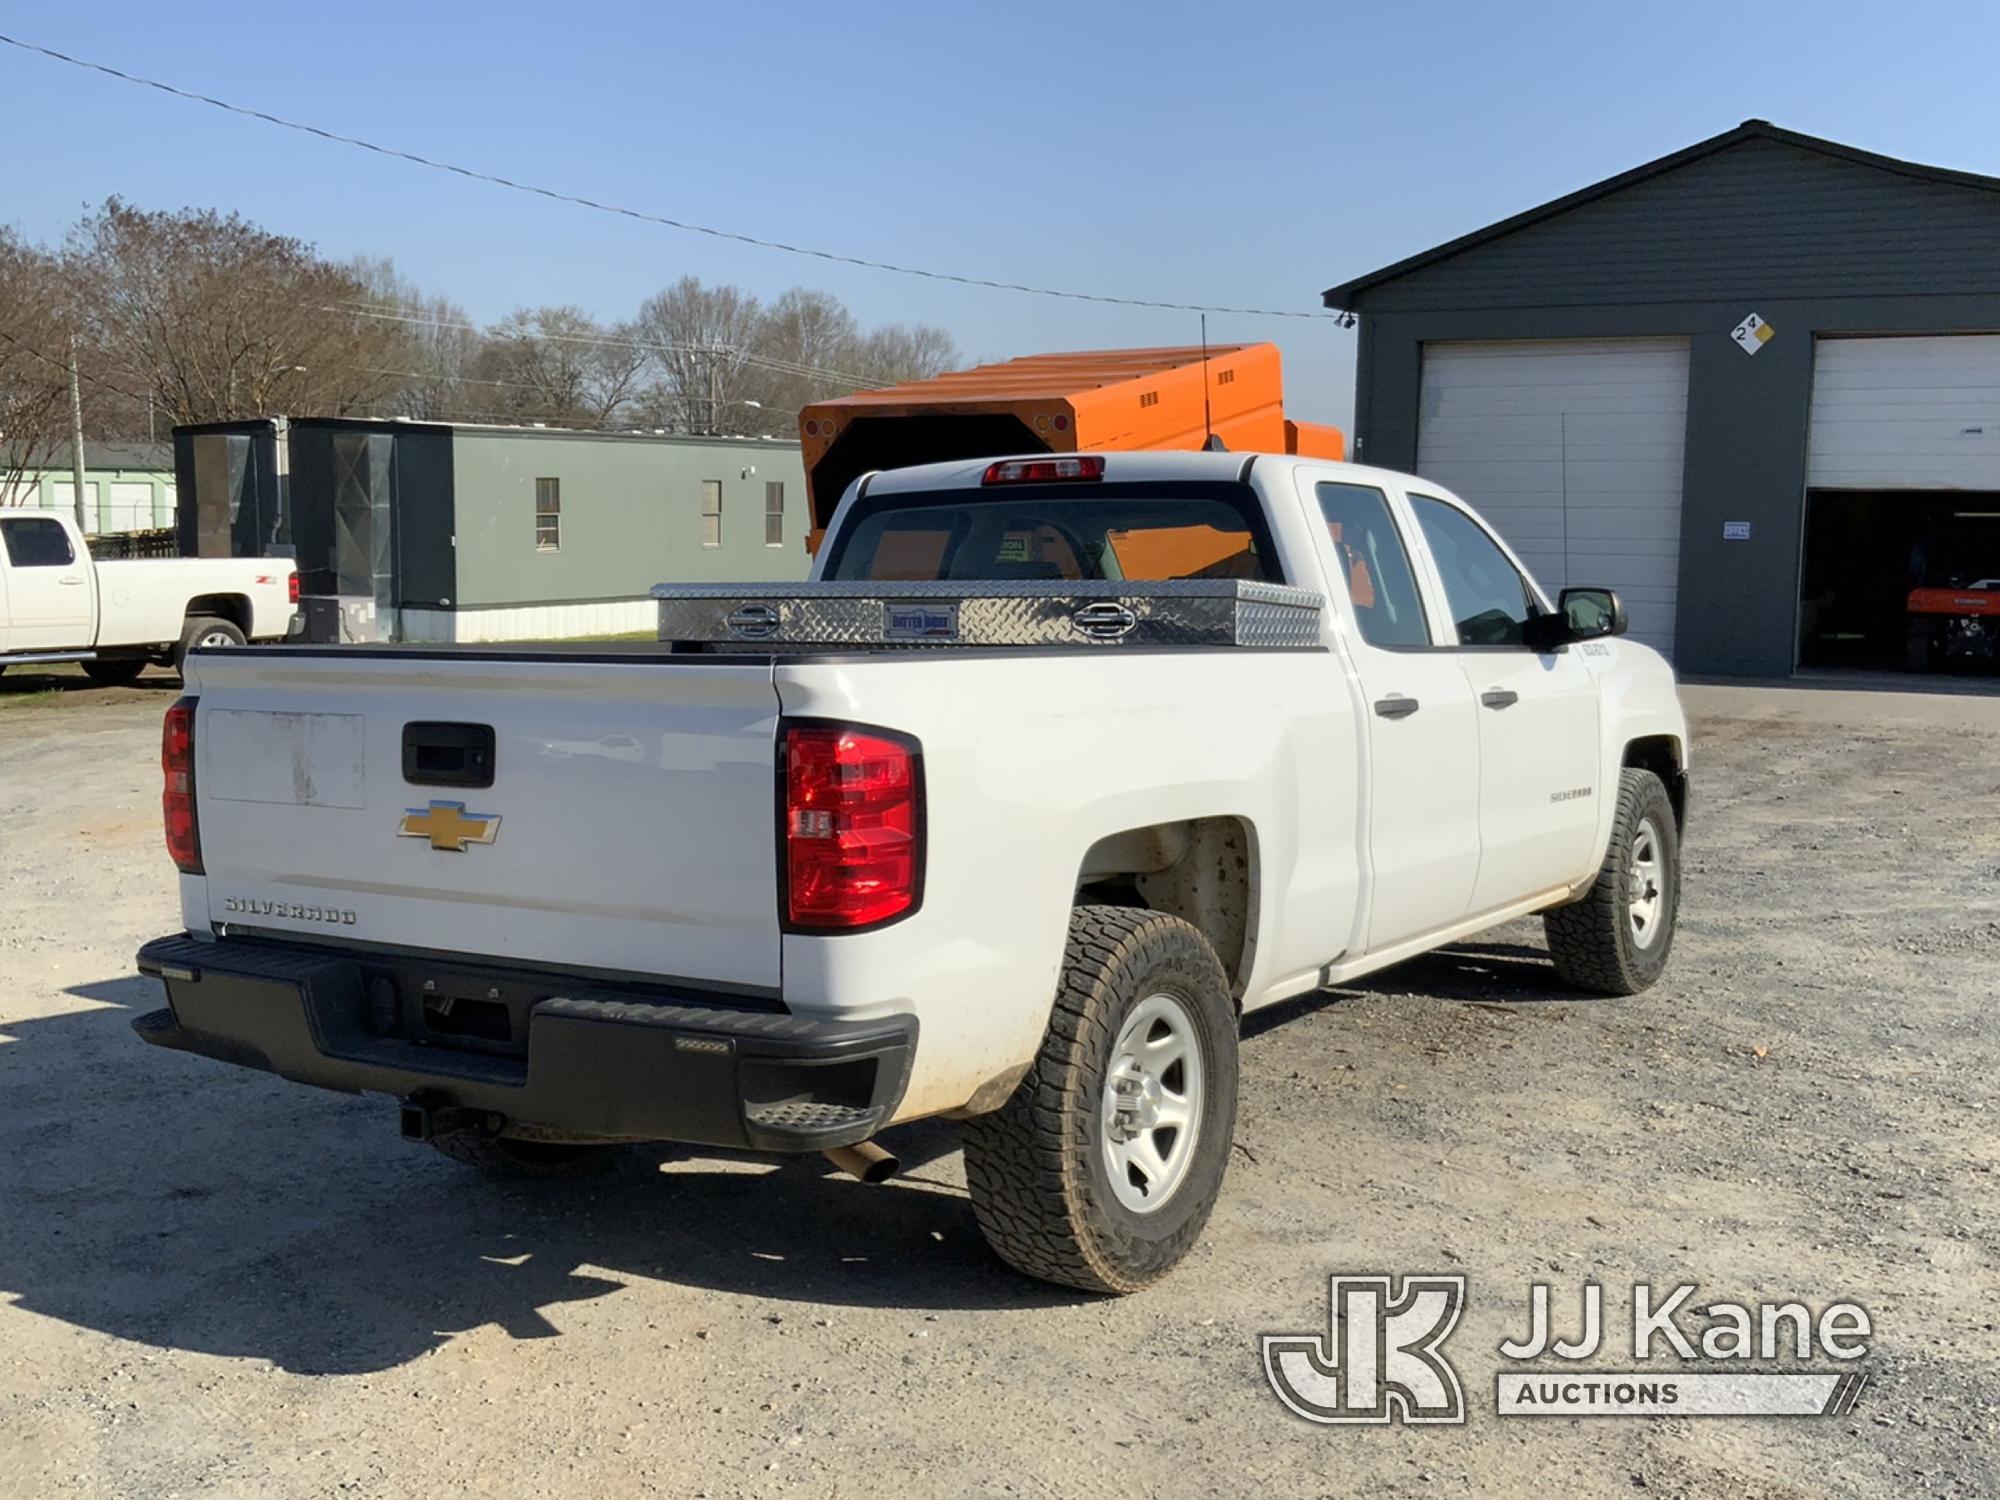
{"points": [[1056, 533]]}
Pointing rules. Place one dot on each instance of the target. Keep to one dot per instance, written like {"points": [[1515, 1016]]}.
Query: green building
{"points": [[126, 486]]}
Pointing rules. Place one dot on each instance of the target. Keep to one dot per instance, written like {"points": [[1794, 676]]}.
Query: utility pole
{"points": [[76, 436], [714, 393]]}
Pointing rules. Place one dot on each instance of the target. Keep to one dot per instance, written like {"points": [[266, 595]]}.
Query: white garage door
{"points": [[1906, 414], [1572, 449]]}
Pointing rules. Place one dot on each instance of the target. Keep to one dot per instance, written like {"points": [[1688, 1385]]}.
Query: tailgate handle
{"points": [[438, 754]]}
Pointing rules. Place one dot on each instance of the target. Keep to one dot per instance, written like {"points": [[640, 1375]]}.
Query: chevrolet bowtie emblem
{"points": [[449, 826]]}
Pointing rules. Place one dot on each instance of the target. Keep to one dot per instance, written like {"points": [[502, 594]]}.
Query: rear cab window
{"points": [[1056, 533]]}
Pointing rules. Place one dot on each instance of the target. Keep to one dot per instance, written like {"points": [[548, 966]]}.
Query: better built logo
{"points": [[1379, 1360]]}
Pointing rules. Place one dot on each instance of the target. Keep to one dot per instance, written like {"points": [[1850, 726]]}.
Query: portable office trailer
{"points": [[444, 532]]}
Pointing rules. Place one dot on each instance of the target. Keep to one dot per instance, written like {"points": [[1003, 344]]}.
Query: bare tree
{"points": [[725, 364], [221, 319], [557, 365], [896, 352], [436, 346], [798, 353], [699, 336], [34, 381]]}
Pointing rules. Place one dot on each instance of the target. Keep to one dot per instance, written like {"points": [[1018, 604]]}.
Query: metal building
{"points": [[1754, 386], [421, 531]]}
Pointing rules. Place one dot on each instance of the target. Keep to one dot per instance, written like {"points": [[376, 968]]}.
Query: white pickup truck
{"points": [[1056, 768], [112, 618]]}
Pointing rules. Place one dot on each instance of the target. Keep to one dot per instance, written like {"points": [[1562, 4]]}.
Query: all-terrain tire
{"points": [[205, 630], [117, 671], [1038, 1167], [511, 1158], [1595, 941]]}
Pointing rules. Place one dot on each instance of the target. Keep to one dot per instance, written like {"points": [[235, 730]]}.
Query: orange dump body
{"points": [[1091, 401]]}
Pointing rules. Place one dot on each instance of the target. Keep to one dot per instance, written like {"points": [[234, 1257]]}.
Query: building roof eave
{"points": [[1342, 297]]}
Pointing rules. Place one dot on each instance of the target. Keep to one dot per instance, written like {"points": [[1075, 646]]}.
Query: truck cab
{"points": [[59, 605]]}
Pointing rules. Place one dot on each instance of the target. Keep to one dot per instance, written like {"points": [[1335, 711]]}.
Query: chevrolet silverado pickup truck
{"points": [[1055, 768], [112, 618]]}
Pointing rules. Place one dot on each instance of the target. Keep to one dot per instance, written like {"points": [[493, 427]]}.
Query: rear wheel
{"points": [[1101, 1169], [512, 1158], [118, 671], [1616, 939], [205, 630]]}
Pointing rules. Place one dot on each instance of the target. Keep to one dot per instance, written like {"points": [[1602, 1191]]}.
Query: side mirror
{"points": [[1591, 613], [1580, 615]]}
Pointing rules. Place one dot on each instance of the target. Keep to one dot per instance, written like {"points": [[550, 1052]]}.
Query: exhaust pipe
{"points": [[865, 1161]]}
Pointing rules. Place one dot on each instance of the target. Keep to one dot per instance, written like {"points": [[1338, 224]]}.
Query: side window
{"points": [[1490, 600], [548, 515], [37, 542], [711, 513], [1376, 566], [774, 513]]}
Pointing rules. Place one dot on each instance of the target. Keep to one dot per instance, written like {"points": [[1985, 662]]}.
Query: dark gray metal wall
{"points": [[1815, 244]]}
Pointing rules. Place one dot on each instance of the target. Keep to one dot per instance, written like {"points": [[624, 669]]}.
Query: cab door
{"points": [[1537, 713], [48, 590], [1422, 811]]}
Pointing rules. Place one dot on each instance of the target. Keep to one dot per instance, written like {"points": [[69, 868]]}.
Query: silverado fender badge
{"points": [[449, 826]]}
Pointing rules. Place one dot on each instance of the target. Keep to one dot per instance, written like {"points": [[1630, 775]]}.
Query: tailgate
{"points": [[629, 825]]}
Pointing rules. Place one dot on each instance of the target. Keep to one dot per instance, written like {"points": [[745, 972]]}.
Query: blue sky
{"points": [[1244, 154]]}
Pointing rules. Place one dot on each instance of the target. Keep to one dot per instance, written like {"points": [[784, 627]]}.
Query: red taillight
{"points": [[1044, 470], [177, 800], [853, 852], [292, 587]]}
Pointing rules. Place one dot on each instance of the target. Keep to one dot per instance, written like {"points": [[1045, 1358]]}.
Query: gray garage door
{"points": [[1572, 449]]}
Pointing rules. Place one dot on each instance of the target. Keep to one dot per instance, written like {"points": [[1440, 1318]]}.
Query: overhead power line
{"points": [[580, 201]]}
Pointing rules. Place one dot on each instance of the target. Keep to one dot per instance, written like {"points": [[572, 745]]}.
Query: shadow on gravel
{"points": [[180, 1203], [66, 682], [1483, 973]]}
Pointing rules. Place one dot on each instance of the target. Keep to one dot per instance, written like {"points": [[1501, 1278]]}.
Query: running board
{"points": [[44, 658]]}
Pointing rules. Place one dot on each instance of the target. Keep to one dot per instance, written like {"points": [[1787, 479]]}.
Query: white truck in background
{"points": [[1056, 768], [113, 618]]}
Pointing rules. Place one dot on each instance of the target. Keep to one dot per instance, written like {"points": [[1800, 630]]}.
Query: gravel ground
{"points": [[215, 1283]]}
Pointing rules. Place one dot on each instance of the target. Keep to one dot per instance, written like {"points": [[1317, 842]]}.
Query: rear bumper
{"points": [[597, 1064]]}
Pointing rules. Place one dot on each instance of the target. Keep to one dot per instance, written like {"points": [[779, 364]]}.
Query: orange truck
{"points": [[1089, 401]]}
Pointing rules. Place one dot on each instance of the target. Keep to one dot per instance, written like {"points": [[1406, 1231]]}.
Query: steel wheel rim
{"points": [[1645, 881], [1149, 1123], [216, 638]]}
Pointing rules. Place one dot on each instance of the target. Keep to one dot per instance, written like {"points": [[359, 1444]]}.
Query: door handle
{"points": [[1396, 707], [1499, 697], [70, 582]]}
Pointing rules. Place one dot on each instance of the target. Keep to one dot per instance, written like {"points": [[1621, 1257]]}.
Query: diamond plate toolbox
{"points": [[1108, 614]]}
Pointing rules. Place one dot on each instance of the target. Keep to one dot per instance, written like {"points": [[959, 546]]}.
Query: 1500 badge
{"points": [[246, 907]]}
